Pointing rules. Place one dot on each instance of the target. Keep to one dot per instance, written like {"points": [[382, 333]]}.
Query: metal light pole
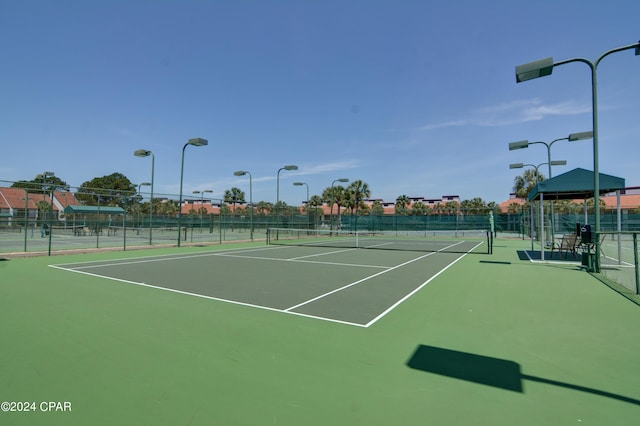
{"points": [[571, 138], [289, 167], [307, 202], [543, 68], [146, 153], [194, 142], [242, 173], [202, 204], [140, 215], [300, 184]]}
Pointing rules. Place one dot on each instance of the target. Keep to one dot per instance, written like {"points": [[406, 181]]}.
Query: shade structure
{"points": [[573, 185], [93, 210]]}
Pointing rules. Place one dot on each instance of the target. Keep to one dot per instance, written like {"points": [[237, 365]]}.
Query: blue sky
{"points": [[413, 97]]}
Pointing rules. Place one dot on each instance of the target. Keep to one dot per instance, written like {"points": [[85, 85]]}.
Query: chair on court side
{"points": [[567, 244]]}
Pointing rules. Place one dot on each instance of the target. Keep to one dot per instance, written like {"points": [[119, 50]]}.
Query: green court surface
{"points": [[250, 334]]}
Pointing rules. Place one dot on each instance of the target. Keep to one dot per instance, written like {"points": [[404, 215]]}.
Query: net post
{"points": [[635, 261]]}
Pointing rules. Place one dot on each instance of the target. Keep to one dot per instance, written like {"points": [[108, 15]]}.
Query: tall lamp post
{"points": [[140, 214], [300, 184], [343, 180], [194, 142], [210, 191], [544, 67], [571, 138], [307, 202], [242, 173], [146, 153], [536, 167], [289, 167]]}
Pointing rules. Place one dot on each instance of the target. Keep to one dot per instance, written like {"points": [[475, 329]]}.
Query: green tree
{"points": [[418, 209], [334, 195], [514, 208], [474, 206], [523, 185], [314, 206], [233, 196], [264, 208], [357, 192], [377, 209], [165, 207], [402, 205], [107, 190], [40, 184], [451, 207]]}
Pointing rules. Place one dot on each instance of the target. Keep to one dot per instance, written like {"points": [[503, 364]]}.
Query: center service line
{"points": [[357, 282]]}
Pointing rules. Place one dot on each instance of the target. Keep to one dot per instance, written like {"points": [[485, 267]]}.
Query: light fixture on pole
{"points": [[545, 67], [572, 137], [300, 184], [146, 153], [194, 142], [289, 167], [242, 173]]}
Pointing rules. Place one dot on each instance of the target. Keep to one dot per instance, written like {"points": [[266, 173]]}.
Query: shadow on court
{"points": [[496, 372]]}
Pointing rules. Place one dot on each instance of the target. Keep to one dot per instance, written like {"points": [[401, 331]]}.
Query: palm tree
{"points": [[474, 206], [402, 203], [233, 196], [451, 207], [264, 207], [377, 209], [334, 195], [314, 206], [524, 184], [418, 209], [359, 191], [514, 208]]}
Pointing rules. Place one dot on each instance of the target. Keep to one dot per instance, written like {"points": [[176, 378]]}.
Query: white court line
{"points": [[161, 257], [172, 290], [323, 254], [395, 305], [275, 259], [358, 282], [231, 252]]}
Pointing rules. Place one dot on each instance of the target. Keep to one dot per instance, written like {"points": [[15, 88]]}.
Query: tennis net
{"points": [[453, 241]]}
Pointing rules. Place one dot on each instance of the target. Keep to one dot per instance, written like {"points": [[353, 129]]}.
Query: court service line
{"points": [[321, 254], [159, 258], [275, 259], [357, 282]]}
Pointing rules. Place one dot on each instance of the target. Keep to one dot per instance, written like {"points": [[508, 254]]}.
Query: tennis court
{"points": [[346, 285], [277, 334]]}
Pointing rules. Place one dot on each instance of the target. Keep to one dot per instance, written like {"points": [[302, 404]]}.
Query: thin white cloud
{"points": [[513, 113], [329, 167]]}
